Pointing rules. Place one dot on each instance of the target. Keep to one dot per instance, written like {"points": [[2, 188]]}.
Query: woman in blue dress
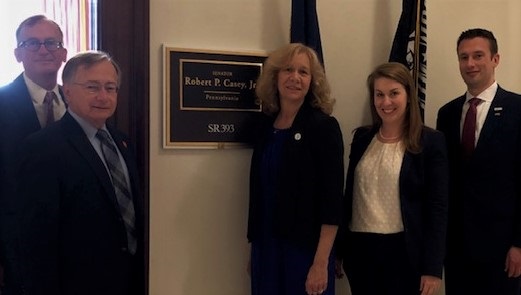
{"points": [[296, 181]]}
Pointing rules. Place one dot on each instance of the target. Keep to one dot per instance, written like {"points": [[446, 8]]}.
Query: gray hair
{"points": [[87, 59]]}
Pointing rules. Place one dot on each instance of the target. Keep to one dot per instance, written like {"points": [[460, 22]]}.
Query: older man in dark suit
{"points": [[81, 208], [32, 101], [483, 132]]}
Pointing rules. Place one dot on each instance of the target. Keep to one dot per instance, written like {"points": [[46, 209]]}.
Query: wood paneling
{"points": [[124, 33]]}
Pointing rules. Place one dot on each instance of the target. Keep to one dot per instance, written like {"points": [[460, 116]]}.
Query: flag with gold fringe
{"points": [[410, 45]]}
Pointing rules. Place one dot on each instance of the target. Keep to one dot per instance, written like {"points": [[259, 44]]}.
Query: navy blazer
{"points": [[72, 236], [423, 191], [310, 186], [485, 190], [18, 119]]}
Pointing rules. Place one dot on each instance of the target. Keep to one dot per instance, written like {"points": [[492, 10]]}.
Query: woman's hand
{"points": [[429, 285], [316, 282]]}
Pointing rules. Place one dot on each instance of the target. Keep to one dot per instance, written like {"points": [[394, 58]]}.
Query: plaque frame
{"points": [[208, 97]]}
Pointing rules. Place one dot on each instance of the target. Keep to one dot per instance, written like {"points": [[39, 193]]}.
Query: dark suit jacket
{"points": [[423, 198], [485, 191], [310, 186], [72, 236], [18, 119]]}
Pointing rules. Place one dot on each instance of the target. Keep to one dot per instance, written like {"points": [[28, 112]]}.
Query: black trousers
{"points": [[378, 264], [464, 276]]}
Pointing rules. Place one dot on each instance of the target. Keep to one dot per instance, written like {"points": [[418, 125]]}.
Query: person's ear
{"points": [[18, 54], [64, 55]]}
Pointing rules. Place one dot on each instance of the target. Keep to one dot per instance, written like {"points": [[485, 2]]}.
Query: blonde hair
{"points": [[412, 125], [319, 94]]}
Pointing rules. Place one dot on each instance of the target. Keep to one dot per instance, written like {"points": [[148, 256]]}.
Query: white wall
{"points": [[199, 198], [446, 20]]}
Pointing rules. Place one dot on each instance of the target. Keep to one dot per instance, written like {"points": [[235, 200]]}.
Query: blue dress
{"points": [[279, 267]]}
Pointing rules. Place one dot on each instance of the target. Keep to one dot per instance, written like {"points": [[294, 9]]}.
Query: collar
{"points": [[487, 95], [89, 130], [38, 93]]}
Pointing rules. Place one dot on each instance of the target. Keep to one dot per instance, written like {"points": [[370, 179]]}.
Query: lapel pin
{"points": [[298, 136], [124, 143], [497, 111]]}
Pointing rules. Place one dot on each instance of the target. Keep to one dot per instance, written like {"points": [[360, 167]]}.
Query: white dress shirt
{"points": [[481, 110], [38, 94]]}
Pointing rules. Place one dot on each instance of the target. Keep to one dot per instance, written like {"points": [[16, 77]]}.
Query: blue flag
{"points": [[304, 25], [410, 45]]}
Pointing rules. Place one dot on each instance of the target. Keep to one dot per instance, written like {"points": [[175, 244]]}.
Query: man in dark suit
{"points": [[22, 112], [484, 230], [81, 209], [40, 50]]}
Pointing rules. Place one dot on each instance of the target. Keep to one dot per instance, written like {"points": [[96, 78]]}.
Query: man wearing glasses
{"points": [[81, 211], [31, 102]]}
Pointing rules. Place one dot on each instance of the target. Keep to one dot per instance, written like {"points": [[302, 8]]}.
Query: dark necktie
{"points": [[50, 96], [123, 195], [468, 135]]}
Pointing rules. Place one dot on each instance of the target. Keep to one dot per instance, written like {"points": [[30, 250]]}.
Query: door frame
{"points": [[124, 33]]}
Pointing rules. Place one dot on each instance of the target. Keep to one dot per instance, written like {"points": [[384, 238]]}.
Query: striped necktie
{"points": [[123, 194]]}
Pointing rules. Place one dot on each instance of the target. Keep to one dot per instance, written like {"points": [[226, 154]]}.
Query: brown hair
{"points": [[412, 125], [479, 33], [33, 20]]}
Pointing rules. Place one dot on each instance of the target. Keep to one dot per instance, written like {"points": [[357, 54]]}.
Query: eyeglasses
{"points": [[95, 88], [35, 44]]}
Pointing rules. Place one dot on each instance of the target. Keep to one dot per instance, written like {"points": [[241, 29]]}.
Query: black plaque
{"points": [[209, 97]]}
